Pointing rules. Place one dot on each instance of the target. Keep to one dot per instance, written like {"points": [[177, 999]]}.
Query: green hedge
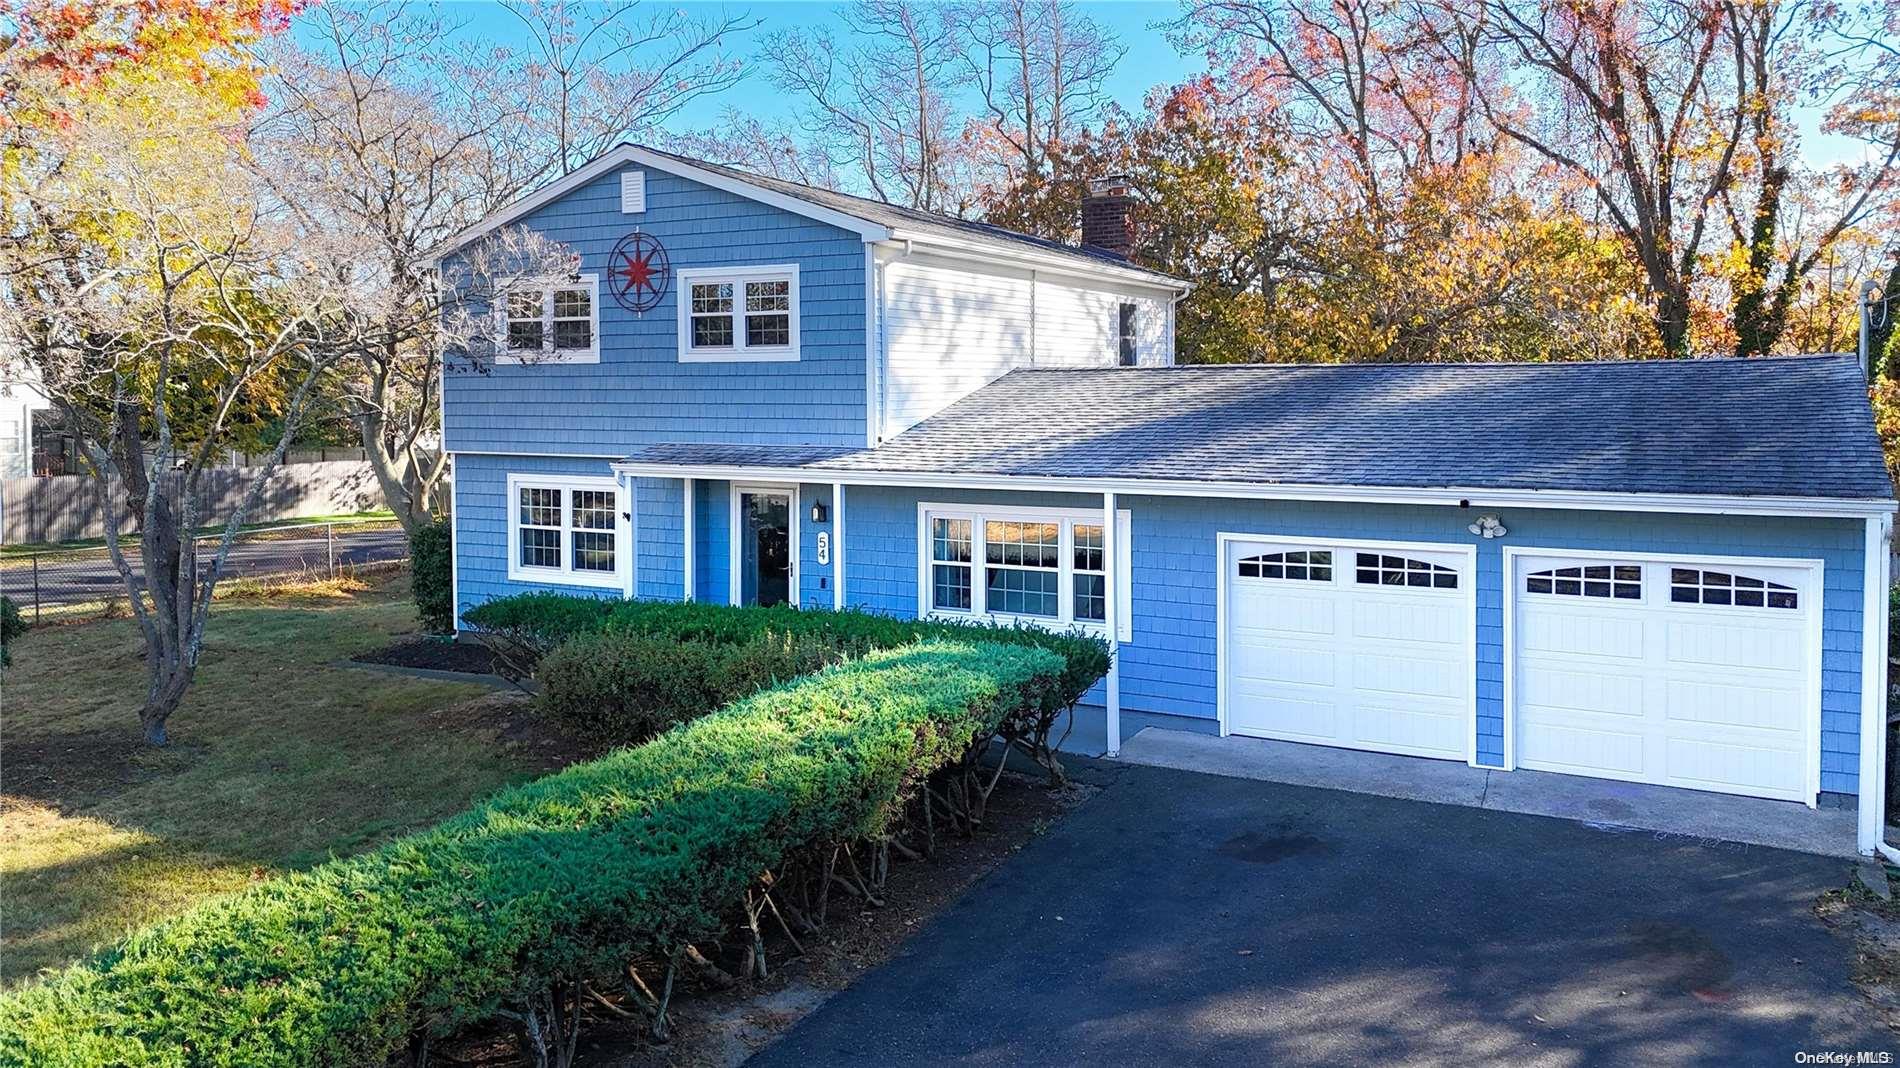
{"points": [[12, 625], [562, 878], [432, 575], [531, 625], [622, 687]]}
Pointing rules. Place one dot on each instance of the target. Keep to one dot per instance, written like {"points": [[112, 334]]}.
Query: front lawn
{"points": [[279, 760]]}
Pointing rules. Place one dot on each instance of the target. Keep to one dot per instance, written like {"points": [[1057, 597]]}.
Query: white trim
{"points": [[550, 354], [837, 546], [790, 492], [1813, 597], [1468, 593], [1474, 497], [738, 276], [687, 538], [995, 252], [1111, 618], [631, 515], [977, 511], [621, 156], [1877, 578], [873, 344], [455, 551], [565, 575]]}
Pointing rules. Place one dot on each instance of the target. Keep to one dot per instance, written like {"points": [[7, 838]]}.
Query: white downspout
{"points": [[837, 546], [1877, 579], [686, 540], [1111, 593], [1880, 582]]}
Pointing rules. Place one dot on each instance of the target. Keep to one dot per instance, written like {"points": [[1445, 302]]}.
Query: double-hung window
{"points": [[551, 322], [1125, 345], [566, 530], [738, 314], [1044, 566]]}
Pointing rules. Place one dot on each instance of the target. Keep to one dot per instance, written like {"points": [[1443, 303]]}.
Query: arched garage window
{"points": [[1624, 582], [1691, 586], [1307, 565], [1376, 569]]}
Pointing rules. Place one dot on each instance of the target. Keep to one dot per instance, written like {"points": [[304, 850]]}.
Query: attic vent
{"points": [[633, 192]]}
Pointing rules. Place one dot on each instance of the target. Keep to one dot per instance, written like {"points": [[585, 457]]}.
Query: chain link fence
{"points": [[55, 584]]}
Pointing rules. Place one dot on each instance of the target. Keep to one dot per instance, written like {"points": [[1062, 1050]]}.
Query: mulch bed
{"points": [[434, 653]]}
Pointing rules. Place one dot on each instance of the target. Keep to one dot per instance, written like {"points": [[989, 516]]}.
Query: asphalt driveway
{"points": [[1180, 918]]}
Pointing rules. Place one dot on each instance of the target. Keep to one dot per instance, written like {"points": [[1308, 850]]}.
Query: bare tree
{"points": [[1041, 69], [879, 103], [1643, 105], [592, 75], [155, 295]]}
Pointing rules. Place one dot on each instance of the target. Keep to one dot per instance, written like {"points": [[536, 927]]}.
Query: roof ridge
{"points": [[1806, 357]]}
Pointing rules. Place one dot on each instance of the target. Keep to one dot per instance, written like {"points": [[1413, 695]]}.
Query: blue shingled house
{"points": [[751, 391]]}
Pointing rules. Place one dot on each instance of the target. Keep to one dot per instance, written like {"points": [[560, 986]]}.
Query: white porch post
{"points": [[1877, 576], [1110, 594], [837, 546], [629, 493], [686, 540]]}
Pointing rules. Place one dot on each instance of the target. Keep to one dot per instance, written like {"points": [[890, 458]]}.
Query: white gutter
{"points": [[991, 253], [1877, 579], [1472, 496]]}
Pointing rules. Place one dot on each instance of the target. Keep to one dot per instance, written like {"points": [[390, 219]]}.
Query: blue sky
{"points": [[1150, 60]]}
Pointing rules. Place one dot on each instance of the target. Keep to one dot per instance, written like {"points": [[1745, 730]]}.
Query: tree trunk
{"points": [[1672, 322], [167, 693]]}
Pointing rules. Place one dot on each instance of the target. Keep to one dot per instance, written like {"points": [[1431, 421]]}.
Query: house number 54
{"points": [[824, 548]]}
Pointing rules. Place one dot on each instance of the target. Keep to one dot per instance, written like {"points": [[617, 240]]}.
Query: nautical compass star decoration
{"points": [[639, 271]]}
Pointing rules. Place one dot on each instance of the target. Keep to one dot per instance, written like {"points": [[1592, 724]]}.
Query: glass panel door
{"points": [[765, 547]]}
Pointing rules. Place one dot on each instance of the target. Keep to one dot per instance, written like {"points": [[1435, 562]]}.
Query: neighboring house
{"points": [[18, 401], [1667, 572]]}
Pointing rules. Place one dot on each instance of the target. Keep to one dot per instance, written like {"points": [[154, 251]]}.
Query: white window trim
{"points": [[740, 352], [565, 575], [549, 354], [1065, 590], [735, 551]]}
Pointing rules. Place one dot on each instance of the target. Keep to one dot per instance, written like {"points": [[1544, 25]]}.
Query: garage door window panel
{"points": [[1380, 569], [1622, 582], [1306, 565], [1693, 586]]}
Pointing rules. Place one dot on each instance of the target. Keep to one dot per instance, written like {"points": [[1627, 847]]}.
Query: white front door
{"points": [[1679, 671], [1361, 645]]}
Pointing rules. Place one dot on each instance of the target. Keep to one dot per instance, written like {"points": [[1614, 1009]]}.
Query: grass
{"points": [[129, 540], [279, 760]]}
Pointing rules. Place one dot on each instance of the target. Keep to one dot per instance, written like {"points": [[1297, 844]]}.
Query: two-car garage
{"points": [[1682, 671]]}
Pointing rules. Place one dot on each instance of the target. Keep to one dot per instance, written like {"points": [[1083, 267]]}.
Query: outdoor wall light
{"points": [[1488, 526], [819, 512]]}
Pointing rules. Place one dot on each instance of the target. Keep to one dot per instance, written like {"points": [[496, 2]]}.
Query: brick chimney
{"points": [[1108, 215]]}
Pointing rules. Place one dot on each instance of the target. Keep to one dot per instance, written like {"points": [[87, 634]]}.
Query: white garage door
{"points": [[1682, 672], [1366, 646]]}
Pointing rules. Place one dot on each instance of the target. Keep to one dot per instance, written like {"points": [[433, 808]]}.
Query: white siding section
{"points": [[948, 331], [951, 327], [17, 401]]}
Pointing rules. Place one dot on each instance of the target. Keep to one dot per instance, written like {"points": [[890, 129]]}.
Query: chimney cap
{"points": [[1111, 185]]}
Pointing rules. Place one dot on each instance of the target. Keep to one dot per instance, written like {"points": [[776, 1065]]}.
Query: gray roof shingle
{"points": [[897, 216], [1794, 427]]}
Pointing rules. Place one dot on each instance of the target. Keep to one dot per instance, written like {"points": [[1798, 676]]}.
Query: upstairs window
{"points": [[738, 314], [565, 531], [1125, 335], [552, 322]]}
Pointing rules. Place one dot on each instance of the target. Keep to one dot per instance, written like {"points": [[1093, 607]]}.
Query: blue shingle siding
{"points": [[1170, 665], [482, 515], [815, 580], [639, 393], [656, 534]]}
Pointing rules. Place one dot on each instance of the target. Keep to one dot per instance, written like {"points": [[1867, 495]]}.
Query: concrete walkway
{"points": [[1661, 810]]}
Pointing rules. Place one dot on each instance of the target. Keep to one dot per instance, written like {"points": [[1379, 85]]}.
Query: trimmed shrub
{"points": [[12, 625], [432, 575], [533, 624], [559, 880], [622, 687]]}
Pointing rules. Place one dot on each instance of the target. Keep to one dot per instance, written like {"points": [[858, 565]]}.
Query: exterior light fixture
{"points": [[1488, 526], [819, 513]]}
